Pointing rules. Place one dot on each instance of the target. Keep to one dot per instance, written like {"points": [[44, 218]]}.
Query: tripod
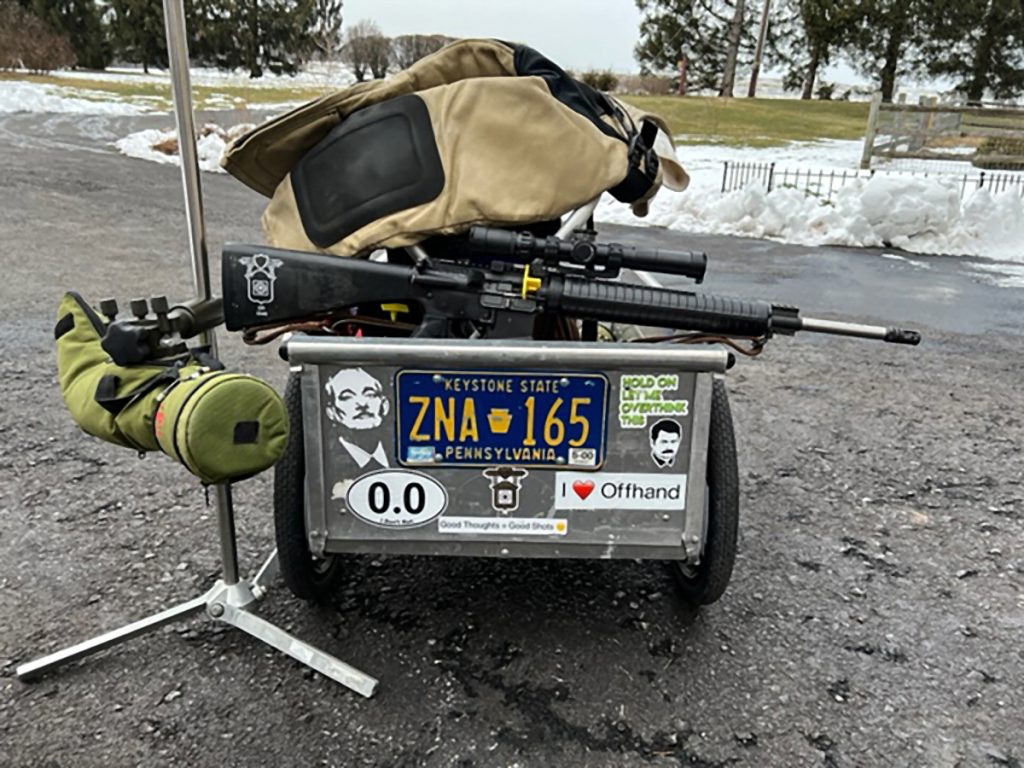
{"points": [[230, 600]]}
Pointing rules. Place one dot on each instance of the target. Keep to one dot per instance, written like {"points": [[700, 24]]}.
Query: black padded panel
{"points": [[64, 325], [378, 161], [246, 432]]}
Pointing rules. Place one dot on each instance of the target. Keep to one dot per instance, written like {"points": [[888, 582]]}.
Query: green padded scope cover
{"points": [[221, 426]]}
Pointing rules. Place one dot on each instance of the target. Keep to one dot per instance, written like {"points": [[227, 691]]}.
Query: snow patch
{"points": [[917, 214], [326, 74], [1003, 275], [162, 146], [35, 97], [922, 215], [912, 262]]}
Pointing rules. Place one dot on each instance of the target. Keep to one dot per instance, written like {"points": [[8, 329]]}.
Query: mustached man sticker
{"points": [[260, 276], [666, 436]]}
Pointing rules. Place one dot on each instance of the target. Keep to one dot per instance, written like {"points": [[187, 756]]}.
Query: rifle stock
{"points": [[272, 286]]}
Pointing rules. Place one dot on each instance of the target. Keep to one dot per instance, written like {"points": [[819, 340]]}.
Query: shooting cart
{"points": [[494, 393]]}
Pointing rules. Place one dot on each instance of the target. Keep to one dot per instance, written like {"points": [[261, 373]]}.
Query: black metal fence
{"points": [[824, 184]]}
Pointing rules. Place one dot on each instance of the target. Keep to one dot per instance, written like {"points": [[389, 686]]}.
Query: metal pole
{"points": [[226, 529], [181, 87]]}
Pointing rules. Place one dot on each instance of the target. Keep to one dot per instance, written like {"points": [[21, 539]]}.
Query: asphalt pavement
{"points": [[875, 617]]}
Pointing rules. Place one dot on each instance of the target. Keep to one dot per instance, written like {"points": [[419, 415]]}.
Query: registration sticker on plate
{"points": [[480, 419]]}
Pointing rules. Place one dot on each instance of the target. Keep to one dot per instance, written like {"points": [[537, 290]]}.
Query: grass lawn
{"points": [[698, 119], [756, 122]]}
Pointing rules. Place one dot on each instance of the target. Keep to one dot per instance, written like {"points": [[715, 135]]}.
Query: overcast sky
{"points": [[578, 34]]}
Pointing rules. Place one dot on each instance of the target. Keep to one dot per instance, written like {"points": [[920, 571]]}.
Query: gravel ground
{"points": [[875, 616]]}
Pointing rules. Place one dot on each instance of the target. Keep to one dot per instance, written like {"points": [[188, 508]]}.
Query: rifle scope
{"points": [[522, 247]]}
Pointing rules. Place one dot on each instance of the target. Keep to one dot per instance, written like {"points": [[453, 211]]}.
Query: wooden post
{"points": [[869, 134], [931, 101], [681, 88]]}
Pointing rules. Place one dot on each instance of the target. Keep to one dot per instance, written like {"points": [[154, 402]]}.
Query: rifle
{"points": [[492, 283], [497, 283]]}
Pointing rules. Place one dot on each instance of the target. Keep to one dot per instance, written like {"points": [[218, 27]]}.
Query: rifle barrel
{"points": [[859, 330]]}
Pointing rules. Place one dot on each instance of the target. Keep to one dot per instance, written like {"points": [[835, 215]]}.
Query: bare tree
{"points": [[326, 31], [366, 50], [735, 33], [26, 42], [408, 49]]}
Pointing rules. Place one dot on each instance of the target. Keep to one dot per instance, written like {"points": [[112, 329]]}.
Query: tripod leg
{"points": [[44, 664], [288, 644], [266, 574]]}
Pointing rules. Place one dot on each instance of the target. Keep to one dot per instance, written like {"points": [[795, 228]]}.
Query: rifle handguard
{"points": [[660, 307]]}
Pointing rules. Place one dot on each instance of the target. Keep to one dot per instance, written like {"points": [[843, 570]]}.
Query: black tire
{"points": [[705, 583], [309, 578]]}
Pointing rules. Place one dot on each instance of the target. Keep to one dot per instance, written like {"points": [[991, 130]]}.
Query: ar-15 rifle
{"points": [[525, 276], [492, 284]]}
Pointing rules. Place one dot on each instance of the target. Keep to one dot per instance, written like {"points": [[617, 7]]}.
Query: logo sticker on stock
{"points": [[260, 276]]}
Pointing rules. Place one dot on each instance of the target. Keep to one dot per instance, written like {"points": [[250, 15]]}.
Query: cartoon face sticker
{"points": [[357, 405], [666, 437], [356, 400]]}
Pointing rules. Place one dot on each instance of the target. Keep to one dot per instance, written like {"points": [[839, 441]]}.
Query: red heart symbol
{"points": [[583, 488]]}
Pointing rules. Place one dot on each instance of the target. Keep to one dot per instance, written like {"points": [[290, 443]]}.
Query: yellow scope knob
{"points": [[530, 284]]}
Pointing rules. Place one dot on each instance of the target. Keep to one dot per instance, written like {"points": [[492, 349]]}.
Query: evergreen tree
{"points": [[808, 33], [980, 44], [137, 32], [257, 35], [210, 33], [80, 21], [698, 30], [886, 37]]}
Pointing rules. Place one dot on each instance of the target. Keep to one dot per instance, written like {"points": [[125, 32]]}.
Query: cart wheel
{"points": [[308, 577], [704, 584]]}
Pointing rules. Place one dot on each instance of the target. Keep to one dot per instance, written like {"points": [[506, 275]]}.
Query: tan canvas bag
{"points": [[480, 132]]}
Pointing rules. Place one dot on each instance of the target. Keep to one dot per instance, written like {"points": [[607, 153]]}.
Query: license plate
{"points": [[481, 419]]}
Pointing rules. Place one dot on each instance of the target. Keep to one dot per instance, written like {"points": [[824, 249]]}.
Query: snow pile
{"points": [[922, 215], [162, 146], [918, 214], [314, 74], [34, 97]]}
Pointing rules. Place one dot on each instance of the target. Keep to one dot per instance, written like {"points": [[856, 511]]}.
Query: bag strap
{"points": [[643, 160], [106, 390]]}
